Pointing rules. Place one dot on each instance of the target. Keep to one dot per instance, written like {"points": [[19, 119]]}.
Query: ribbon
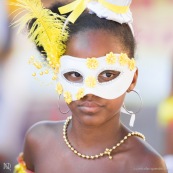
{"points": [[78, 6]]}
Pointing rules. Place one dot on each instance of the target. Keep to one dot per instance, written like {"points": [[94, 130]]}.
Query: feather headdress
{"points": [[47, 28]]}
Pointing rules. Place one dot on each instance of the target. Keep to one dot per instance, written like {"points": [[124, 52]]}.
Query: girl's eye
{"points": [[108, 75], [73, 77], [75, 74]]}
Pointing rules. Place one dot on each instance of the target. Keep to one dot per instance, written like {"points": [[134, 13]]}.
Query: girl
{"points": [[95, 72]]}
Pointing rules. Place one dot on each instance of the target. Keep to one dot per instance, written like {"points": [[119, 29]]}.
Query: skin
{"points": [[92, 130], [169, 139], [169, 127]]}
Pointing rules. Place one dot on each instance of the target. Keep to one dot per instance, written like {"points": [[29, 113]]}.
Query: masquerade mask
{"points": [[107, 77]]}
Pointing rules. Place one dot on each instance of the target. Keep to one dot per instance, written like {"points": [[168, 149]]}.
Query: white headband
{"points": [[116, 10], [103, 12]]}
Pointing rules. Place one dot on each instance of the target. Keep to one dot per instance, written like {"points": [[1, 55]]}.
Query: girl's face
{"points": [[91, 109]]}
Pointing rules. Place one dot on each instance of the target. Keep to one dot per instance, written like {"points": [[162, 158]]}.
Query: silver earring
{"points": [[124, 110], [60, 108]]}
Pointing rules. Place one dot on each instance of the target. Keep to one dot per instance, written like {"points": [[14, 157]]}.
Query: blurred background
{"points": [[25, 100]]}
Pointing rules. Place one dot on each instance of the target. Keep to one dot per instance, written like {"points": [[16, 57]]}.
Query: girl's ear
{"points": [[134, 81]]}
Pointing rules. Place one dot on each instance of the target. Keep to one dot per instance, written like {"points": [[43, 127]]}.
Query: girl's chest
{"points": [[65, 163]]}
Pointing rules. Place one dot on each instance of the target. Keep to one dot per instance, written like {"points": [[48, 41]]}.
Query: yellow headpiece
{"points": [[46, 29], [49, 29], [79, 6]]}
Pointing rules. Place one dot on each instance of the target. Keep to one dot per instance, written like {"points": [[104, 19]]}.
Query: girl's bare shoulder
{"points": [[44, 127], [145, 157], [40, 137]]}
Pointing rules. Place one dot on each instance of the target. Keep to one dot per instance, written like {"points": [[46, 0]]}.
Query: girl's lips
{"points": [[90, 106]]}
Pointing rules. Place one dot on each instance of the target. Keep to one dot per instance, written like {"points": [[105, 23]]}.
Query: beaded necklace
{"points": [[107, 150]]}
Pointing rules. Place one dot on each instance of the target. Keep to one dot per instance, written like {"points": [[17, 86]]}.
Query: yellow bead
{"points": [[32, 57], [110, 157], [54, 77], [92, 157], [46, 72], [79, 154], [34, 74], [53, 65], [41, 73], [39, 66]]}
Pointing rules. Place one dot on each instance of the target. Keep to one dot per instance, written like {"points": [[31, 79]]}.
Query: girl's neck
{"points": [[100, 137]]}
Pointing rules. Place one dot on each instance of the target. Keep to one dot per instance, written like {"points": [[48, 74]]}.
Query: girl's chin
{"points": [[91, 119]]}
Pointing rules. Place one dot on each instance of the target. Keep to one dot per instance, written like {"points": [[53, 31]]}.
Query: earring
{"points": [[59, 106], [124, 110]]}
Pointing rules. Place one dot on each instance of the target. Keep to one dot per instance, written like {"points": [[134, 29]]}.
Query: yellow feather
{"points": [[46, 31]]}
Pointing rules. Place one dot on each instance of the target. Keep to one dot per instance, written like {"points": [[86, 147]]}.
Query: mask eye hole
{"points": [[108, 75], [74, 76]]}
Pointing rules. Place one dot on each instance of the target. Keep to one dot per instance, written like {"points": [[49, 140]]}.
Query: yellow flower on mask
{"points": [[123, 59], [90, 81], [80, 94], [111, 58], [132, 64], [67, 97], [59, 88], [92, 63]]}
